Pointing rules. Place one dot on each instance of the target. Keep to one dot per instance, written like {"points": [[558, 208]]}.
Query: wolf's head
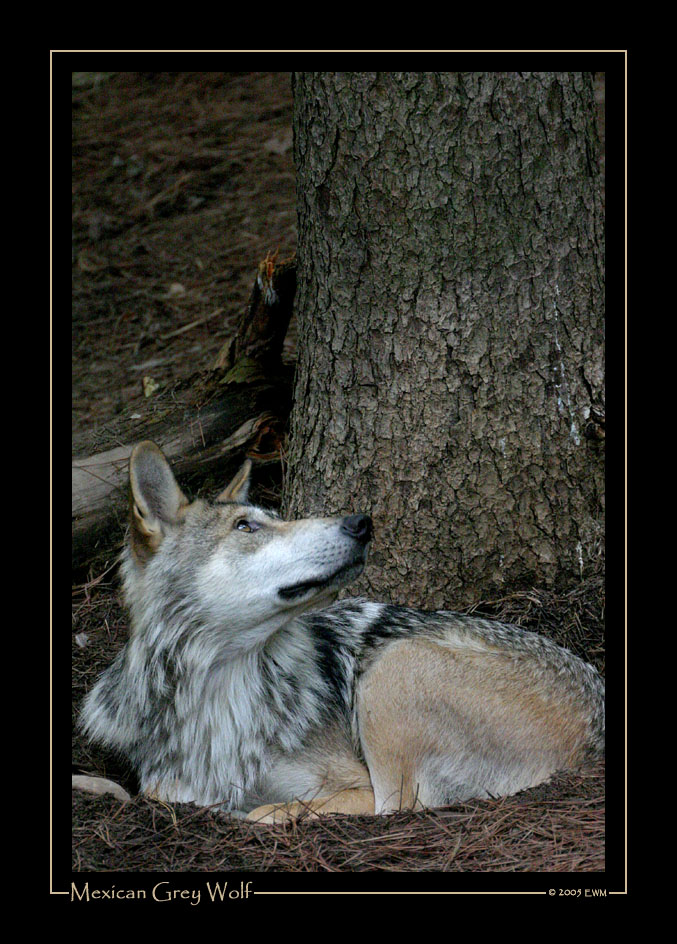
{"points": [[227, 564]]}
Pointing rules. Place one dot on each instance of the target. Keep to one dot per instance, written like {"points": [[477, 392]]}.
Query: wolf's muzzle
{"points": [[360, 529]]}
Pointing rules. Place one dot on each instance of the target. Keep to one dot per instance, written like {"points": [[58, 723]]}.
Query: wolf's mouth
{"points": [[342, 575]]}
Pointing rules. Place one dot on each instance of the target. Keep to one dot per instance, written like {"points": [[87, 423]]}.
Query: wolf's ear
{"points": [[238, 489], [155, 498]]}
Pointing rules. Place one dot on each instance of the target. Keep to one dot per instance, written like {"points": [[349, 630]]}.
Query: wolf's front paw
{"points": [[353, 802], [279, 812]]}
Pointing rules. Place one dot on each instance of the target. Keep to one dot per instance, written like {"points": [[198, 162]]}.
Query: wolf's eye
{"points": [[243, 525]]}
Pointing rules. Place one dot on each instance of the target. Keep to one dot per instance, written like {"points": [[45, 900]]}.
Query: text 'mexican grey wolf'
{"points": [[243, 687]]}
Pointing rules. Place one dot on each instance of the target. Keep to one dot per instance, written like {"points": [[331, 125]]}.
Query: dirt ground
{"points": [[182, 183]]}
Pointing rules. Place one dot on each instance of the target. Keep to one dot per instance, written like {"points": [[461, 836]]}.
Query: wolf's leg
{"points": [[441, 725], [356, 801], [402, 703]]}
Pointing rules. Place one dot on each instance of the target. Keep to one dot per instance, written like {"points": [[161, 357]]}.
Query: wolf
{"points": [[246, 687]]}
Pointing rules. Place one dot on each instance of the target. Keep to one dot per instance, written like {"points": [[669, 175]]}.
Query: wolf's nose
{"points": [[358, 527]]}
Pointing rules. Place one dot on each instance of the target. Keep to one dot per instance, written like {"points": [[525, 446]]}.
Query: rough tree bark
{"points": [[450, 305]]}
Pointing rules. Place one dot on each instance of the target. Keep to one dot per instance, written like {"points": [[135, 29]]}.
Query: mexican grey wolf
{"points": [[243, 686]]}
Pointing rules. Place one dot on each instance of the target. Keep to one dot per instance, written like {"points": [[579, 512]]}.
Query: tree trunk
{"points": [[450, 308]]}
